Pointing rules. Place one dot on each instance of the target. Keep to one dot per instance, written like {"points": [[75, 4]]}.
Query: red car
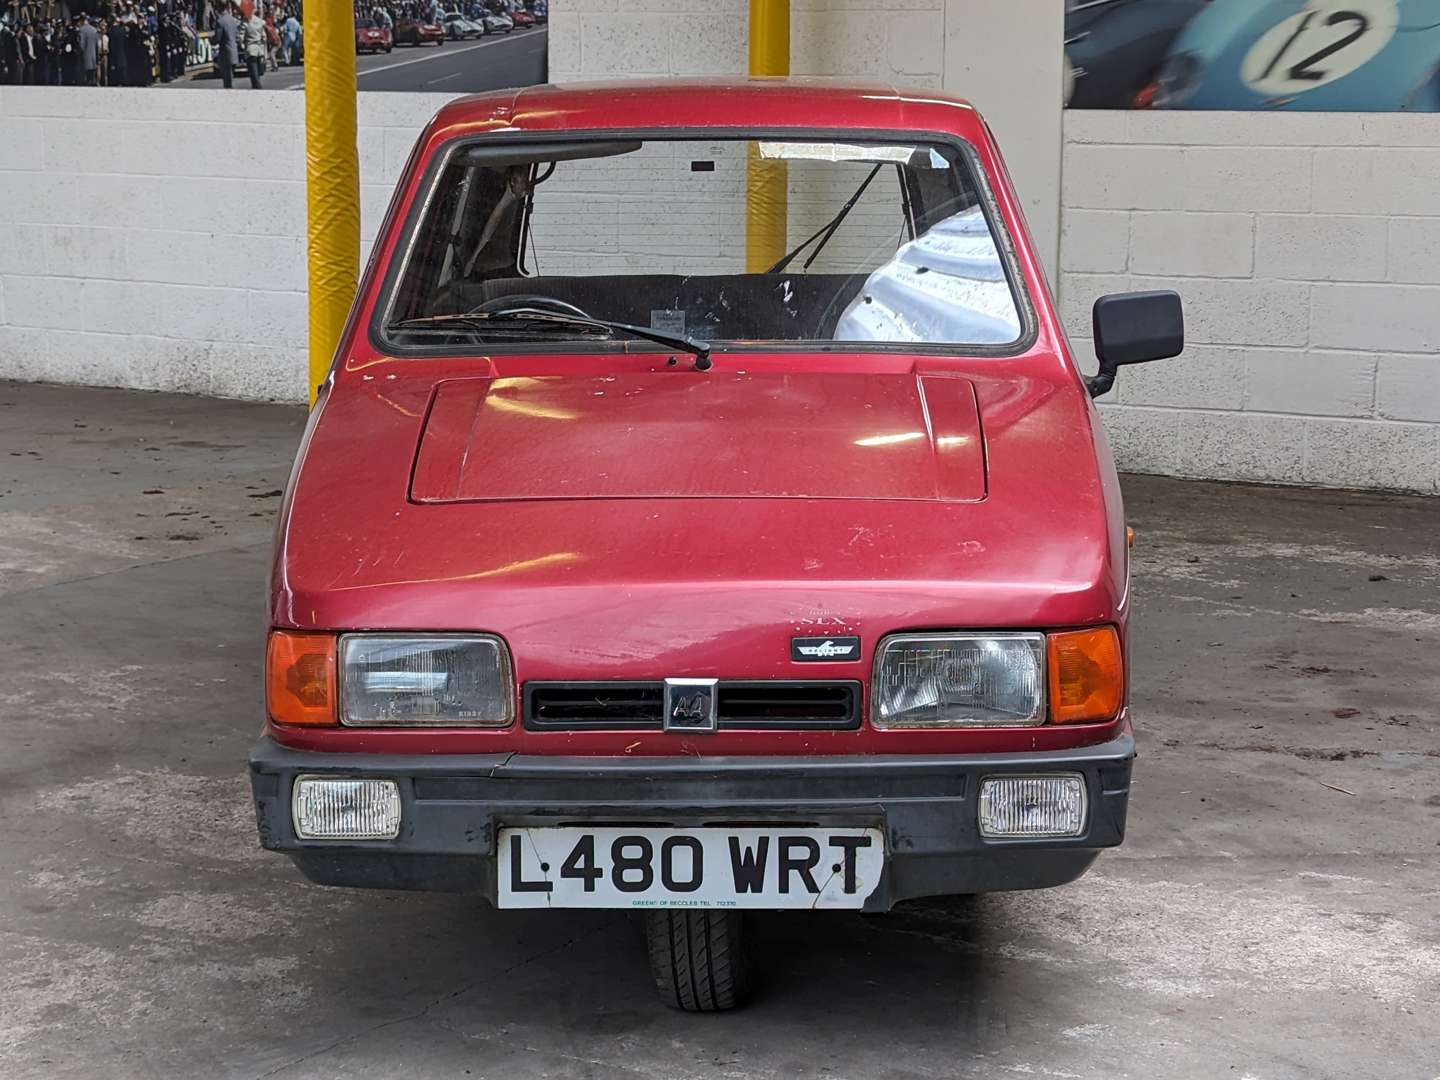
{"points": [[649, 548], [418, 32], [372, 37], [521, 17]]}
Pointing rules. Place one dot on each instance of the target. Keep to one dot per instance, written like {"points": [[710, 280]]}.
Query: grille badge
{"points": [[690, 706], [844, 649]]}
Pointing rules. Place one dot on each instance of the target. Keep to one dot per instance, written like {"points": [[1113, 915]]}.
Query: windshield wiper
{"points": [[825, 231], [540, 319], [449, 324]]}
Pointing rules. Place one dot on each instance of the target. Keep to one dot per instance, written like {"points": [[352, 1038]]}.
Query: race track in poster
{"points": [[489, 63]]}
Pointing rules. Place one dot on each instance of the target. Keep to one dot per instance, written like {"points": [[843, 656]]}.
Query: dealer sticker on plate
{"points": [[651, 867]]}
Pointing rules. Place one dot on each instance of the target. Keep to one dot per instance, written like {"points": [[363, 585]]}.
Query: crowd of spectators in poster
{"points": [[128, 43], [116, 44]]}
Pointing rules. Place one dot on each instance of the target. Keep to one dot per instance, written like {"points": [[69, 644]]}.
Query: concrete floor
{"points": [[1273, 914]]}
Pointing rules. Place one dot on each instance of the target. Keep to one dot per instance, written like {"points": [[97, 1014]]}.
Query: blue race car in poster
{"points": [[1324, 55], [1114, 48]]}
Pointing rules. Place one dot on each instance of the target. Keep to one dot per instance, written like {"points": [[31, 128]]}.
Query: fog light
{"points": [[1027, 807], [346, 809]]}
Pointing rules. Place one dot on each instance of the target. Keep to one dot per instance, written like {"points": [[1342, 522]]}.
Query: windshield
{"points": [[728, 240]]}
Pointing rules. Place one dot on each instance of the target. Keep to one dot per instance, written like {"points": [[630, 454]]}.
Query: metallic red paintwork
{"points": [[609, 525], [735, 434]]}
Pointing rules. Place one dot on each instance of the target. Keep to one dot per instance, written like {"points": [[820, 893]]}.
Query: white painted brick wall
{"points": [[635, 38], [1307, 250], [1198, 245], [148, 243], [151, 239]]}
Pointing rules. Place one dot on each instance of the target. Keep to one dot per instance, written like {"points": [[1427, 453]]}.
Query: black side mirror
{"points": [[1131, 328]]}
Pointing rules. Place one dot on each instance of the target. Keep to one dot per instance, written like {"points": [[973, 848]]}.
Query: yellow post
{"points": [[332, 175], [766, 182]]}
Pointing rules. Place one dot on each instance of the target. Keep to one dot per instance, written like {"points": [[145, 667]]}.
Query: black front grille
{"points": [[767, 704], [753, 705], [554, 706]]}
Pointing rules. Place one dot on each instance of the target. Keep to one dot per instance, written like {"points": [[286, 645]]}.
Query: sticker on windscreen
{"points": [[667, 320]]}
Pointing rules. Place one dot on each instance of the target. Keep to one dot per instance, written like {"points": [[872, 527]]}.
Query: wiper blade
{"points": [[448, 324], [700, 349], [541, 319]]}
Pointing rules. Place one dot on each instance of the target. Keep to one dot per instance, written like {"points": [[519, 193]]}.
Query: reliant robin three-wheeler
{"points": [[704, 514]]}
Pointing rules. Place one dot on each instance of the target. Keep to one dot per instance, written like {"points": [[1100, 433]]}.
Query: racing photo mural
{"points": [[1322, 55], [459, 46]]}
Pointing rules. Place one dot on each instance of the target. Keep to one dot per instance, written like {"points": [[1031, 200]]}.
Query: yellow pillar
{"points": [[766, 182], [332, 175]]}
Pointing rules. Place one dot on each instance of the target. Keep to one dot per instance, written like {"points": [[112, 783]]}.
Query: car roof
{"points": [[708, 102]]}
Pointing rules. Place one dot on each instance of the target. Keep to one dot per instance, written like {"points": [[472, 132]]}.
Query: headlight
{"points": [[959, 680], [439, 680]]}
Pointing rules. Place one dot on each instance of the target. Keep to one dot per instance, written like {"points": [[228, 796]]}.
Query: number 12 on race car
{"points": [[647, 867], [1323, 41]]}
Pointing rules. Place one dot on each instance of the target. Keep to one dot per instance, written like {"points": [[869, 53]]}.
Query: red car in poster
{"points": [[418, 32], [371, 36], [637, 558]]}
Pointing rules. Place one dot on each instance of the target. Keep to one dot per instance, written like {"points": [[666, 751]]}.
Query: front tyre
{"points": [[698, 958]]}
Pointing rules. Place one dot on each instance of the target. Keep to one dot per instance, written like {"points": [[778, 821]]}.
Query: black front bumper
{"points": [[454, 805]]}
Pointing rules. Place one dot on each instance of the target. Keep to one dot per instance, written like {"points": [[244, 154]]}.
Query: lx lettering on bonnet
{"points": [[833, 650]]}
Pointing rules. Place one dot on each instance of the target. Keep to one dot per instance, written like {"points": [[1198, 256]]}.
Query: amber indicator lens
{"points": [[1087, 676], [300, 678]]}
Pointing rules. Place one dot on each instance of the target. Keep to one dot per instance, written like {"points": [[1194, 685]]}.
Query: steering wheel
{"points": [[523, 300]]}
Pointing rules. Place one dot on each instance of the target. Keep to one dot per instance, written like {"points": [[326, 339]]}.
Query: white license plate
{"points": [[577, 867]]}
